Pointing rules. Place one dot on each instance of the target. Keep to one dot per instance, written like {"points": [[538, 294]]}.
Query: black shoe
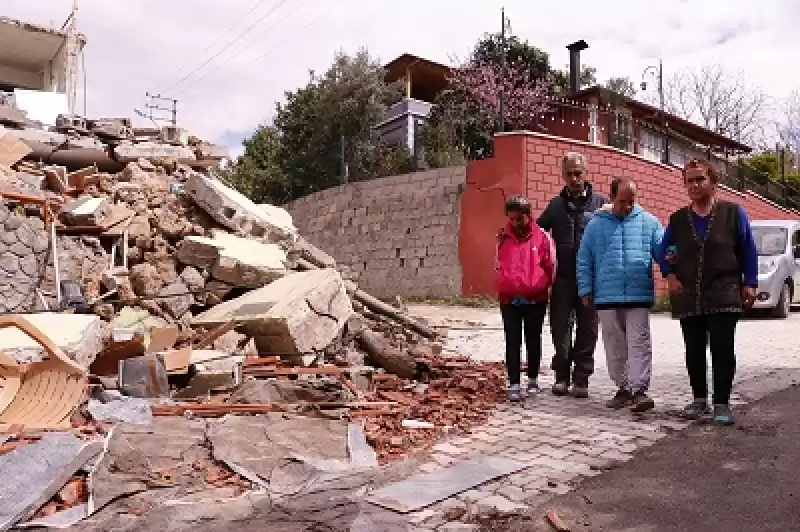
{"points": [[642, 402], [561, 389], [622, 399]]}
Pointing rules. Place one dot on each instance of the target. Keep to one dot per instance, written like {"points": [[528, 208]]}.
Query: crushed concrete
{"points": [[237, 212], [235, 260], [299, 313], [80, 336]]}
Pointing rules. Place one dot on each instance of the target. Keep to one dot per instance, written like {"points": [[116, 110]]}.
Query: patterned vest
{"points": [[709, 268]]}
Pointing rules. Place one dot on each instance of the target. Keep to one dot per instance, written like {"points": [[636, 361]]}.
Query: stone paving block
{"points": [[475, 495], [448, 448], [616, 455], [512, 493], [496, 503]]}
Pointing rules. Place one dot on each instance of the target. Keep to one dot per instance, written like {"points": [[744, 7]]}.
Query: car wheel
{"points": [[784, 306]]}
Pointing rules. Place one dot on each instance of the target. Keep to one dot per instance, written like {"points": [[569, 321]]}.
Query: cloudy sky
{"points": [[227, 62]]}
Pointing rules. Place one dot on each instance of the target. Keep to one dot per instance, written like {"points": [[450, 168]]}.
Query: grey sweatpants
{"points": [[629, 351]]}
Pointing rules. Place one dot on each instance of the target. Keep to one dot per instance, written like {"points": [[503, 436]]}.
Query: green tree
{"points": [[490, 49], [256, 174], [334, 113]]}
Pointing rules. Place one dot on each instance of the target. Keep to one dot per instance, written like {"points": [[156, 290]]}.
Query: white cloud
{"points": [[136, 46]]}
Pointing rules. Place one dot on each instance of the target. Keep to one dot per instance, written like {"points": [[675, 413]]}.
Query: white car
{"points": [[778, 247]]}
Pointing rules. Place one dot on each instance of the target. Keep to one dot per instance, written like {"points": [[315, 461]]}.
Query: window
{"points": [[771, 241]]}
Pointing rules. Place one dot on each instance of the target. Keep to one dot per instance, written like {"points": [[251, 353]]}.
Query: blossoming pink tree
{"points": [[471, 105]]}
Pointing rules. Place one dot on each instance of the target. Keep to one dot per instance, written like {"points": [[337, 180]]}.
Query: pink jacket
{"points": [[525, 267]]}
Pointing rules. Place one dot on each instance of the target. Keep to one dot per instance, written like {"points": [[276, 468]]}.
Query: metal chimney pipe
{"points": [[575, 50]]}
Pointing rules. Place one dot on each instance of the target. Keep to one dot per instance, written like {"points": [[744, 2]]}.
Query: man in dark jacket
{"points": [[566, 217], [709, 258]]}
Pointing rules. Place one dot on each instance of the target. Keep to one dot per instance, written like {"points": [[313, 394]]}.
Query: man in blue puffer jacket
{"points": [[615, 274]]}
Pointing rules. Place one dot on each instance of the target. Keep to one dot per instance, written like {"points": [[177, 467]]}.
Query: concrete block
{"points": [[85, 211], [235, 211], [128, 152], [299, 313], [80, 336], [235, 260]]}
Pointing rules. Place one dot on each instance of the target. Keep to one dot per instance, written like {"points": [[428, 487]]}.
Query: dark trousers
{"points": [[718, 330], [572, 359], [516, 319]]}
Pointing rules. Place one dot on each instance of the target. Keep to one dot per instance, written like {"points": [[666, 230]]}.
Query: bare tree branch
{"points": [[718, 100]]}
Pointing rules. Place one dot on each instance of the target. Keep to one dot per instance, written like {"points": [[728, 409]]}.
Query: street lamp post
{"points": [[659, 72]]}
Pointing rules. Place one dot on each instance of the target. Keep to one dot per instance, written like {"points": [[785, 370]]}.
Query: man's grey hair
{"points": [[575, 158]]}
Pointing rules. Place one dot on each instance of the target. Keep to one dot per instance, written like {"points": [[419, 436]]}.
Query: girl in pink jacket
{"points": [[525, 272]]}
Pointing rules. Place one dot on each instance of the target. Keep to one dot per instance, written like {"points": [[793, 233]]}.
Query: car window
{"points": [[770, 240]]}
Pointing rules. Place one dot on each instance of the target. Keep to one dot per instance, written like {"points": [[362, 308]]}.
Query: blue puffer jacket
{"points": [[615, 259]]}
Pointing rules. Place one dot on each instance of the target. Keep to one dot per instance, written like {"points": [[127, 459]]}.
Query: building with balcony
{"points": [[593, 115], [405, 121], [36, 58]]}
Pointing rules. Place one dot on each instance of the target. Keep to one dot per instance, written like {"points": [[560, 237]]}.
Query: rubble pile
{"points": [[173, 296]]}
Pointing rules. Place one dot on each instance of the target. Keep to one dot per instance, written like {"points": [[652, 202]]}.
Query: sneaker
{"points": [[533, 388], [561, 389], [723, 415], [514, 394], [579, 392], [695, 409], [642, 402], [622, 399]]}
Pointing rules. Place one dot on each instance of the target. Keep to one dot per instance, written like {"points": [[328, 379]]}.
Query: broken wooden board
{"points": [[423, 490], [12, 150], [49, 391], [116, 215]]}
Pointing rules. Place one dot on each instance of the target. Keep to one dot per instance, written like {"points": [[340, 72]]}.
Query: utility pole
{"points": [[502, 68], [152, 106], [660, 75]]}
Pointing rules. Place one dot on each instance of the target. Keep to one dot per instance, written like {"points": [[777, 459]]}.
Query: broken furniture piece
{"points": [[44, 395]]}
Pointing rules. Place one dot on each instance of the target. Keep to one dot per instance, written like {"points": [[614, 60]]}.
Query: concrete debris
{"points": [[233, 259], [80, 337], [185, 299], [237, 212], [299, 314], [43, 468]]}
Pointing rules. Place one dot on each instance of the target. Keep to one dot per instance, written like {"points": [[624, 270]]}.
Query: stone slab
{"points": [[235, 260], [237, 212], [128, 152], [421, 491], [86, 211], [299, 313], [33, 473], [80, 336]]}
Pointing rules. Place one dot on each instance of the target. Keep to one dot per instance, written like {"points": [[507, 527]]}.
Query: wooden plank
{"points": [[207, 340], [118, 214]]}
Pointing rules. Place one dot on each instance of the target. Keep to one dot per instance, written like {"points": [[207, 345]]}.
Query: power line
{"points": [[226, 47], [221, 35], [183, 91], [270, 50]]}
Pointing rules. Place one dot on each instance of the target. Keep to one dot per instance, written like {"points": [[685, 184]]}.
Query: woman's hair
{"points": [[704, 165], [518, 204]]}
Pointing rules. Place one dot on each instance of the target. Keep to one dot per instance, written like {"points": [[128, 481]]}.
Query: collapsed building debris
{"points": [[179, 298]]}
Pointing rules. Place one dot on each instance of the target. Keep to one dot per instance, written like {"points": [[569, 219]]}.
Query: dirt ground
{"points": [[741, 478]]}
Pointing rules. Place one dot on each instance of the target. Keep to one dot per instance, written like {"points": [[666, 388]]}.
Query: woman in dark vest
{"points": [[709, 258]]}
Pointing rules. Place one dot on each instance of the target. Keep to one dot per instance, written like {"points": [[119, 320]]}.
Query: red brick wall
{"points": [[529, 164]]}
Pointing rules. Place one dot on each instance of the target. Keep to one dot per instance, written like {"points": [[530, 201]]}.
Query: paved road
{"points": [[706, 479], [565, 440]]}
